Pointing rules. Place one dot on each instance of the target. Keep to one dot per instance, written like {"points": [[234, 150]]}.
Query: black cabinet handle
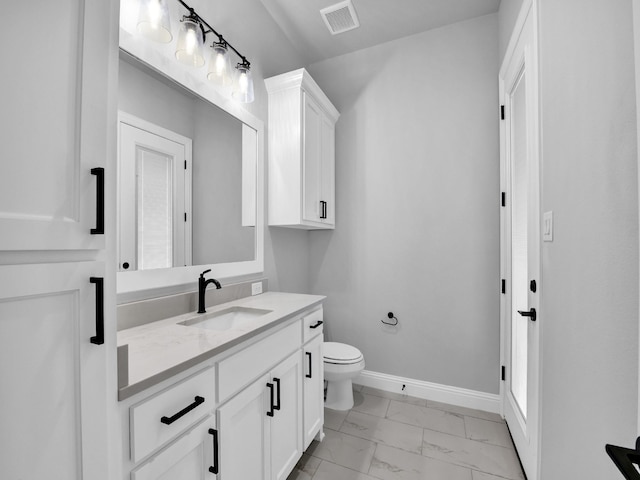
{"points": [[214, 469], [308, 375], [531, 314], [99, 337], [99, 173], [316, 325], [270, 387], [169, 420], [277, 405], [323, 209]]}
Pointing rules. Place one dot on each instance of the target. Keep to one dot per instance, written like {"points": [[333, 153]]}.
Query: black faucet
{"points": [[202, 288]]}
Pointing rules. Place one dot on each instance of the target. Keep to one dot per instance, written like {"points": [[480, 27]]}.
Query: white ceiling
{"points": [[380, 21]]}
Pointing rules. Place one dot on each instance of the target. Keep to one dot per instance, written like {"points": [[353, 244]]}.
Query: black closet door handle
{"points": [[308, 375], [323, 209], [196, 401], [277, 405], [99, 173], [316, 325], [214, 432], [531, 314], [270, 387], [99, 337]]}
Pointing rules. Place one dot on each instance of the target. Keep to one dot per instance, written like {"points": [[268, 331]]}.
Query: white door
{"points": [[53, 370], [520, 246], [244, 435], [313, 394], [53, 125], [286, 423], [154, 215], [193, 456]]}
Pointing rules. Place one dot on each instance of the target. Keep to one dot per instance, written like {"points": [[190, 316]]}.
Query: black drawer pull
{"points": [[99, 173], [270, 387], [308, 375], [317, 324], [277, 405], [214, 469], [99, 337], [169, 420]]}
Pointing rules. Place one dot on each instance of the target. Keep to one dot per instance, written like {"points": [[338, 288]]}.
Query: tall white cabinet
{"points": [[57, 288], [301, 153]]}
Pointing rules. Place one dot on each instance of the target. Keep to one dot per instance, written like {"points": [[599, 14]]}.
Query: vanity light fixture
{"points": [[191, 41], [220, 71], [153, 20], [243, 85], [153, 23]]}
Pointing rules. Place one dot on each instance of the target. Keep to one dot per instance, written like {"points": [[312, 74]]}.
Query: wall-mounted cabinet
{"points": [[301, 153]]}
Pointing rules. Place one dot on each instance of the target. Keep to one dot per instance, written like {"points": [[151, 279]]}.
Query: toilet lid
{"points": [[341, 353]]}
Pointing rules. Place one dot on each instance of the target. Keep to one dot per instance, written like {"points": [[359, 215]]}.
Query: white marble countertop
{"points": [[161, 349]]}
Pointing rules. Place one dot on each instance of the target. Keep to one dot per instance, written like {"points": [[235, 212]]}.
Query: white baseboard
{"points": [[431, 391]]}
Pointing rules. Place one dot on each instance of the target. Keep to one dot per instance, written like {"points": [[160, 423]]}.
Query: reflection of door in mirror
{"points": [[155, 219]]}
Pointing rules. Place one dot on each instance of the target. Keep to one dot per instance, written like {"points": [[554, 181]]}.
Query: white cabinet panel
{"points": [[191, 457], [53, 413], [313, 392], [244, 433], [53, 125]]}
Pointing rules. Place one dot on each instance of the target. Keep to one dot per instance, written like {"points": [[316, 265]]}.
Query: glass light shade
{"points": [[190, 44], [154, 22], [220, 65], [243, 87]]}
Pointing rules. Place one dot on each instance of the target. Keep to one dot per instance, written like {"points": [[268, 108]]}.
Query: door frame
{"points": [[636, 42], [529, 9]]}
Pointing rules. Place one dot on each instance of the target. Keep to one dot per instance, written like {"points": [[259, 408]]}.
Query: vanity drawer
{"points": [[157, 420], [312, 325], [243, 367]]}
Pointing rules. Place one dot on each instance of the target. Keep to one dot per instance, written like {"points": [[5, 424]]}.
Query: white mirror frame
{"points": [[142, 284]]}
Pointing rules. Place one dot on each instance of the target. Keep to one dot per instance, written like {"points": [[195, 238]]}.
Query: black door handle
{"points": [[99, 173], [277, 405], [99, 337], [308, 375], [270, 387], [531, 314], [169, 420], [323, 209], [316, 325], [214, 432]]}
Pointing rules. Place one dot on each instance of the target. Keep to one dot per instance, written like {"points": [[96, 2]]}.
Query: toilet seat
{"points": [[341, 354]]}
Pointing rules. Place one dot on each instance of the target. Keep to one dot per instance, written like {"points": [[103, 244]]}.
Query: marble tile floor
{"points": [[389, 436]]}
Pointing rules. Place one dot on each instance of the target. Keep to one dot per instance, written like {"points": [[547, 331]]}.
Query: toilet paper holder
{"points": [[393, 322]]}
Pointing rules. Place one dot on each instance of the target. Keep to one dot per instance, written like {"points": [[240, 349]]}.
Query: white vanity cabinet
{"points": [[301, 153], [247, 413]]}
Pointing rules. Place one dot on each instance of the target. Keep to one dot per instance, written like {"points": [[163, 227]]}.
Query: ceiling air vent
{"points": [[340, 17]]}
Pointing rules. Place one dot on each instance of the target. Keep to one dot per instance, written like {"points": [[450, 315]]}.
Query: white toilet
{"points": [[342, 363]]}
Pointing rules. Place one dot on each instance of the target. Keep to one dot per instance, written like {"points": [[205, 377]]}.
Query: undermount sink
{"points": [[228, 319]]}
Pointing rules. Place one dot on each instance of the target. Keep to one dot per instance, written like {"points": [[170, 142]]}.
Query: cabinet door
{"points": [[286, 423], [53, 393], [328, 176], [311, 165], [244, 433], [191, 457], [54, 124], [313, 393]]}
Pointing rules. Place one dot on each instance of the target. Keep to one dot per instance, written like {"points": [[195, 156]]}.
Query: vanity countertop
{"points": [[161, 349]]}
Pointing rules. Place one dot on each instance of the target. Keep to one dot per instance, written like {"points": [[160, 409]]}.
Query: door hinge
{"points": [[503, 288], [501, 112], [503, 373], [503, 199]]}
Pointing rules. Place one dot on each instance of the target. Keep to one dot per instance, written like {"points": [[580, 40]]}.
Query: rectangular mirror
{"points": [[190, 178]]}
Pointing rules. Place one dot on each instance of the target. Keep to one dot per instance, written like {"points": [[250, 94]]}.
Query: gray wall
{"points": [[507, 16], [589, 312], [417, 221]]}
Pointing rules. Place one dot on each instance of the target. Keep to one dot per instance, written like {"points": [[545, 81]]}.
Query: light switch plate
{"points": [[547, 227], [256, 288]]}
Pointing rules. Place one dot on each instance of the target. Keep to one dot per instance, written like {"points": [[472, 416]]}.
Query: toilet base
{"points": [[339, 395]]}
